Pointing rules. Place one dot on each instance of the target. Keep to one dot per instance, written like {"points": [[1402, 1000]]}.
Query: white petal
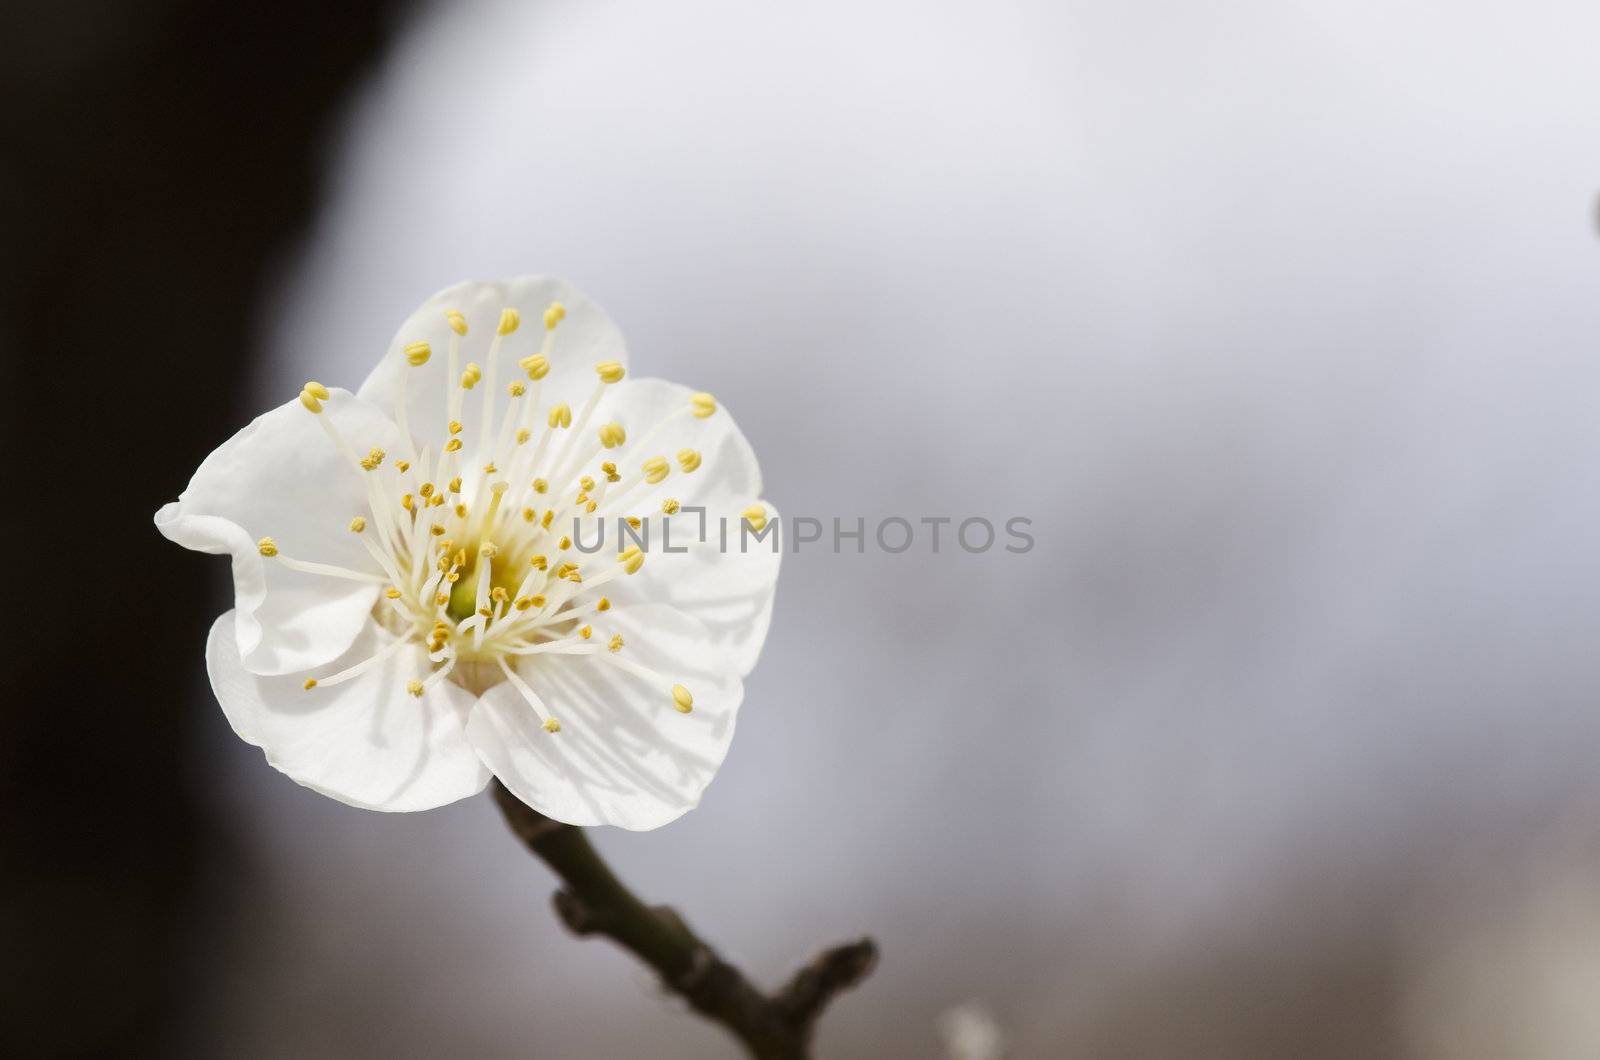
{"points": [[729, 589], [282, 477], [584, 337], [366, 741], [728, 473], [624, 755]]}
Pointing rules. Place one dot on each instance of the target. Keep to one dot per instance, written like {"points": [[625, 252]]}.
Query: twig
{"points": [[594, 902]]}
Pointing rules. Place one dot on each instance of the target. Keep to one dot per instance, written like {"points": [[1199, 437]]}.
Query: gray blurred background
{"points": [[1280, 320]]}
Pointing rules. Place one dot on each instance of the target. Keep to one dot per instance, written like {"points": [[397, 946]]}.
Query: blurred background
{"points": [[1280, 320]]}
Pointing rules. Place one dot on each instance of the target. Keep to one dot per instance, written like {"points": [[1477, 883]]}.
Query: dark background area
{"points": [[156, 160]]}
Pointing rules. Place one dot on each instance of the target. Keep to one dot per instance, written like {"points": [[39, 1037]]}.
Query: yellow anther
{"points": [[670, 507], [309, 400], [523, 603], [418, 353], [635, 522], [455, 426], [516, 389], [631, 559], [616, 644], [552, 725], [461, 557], [267, 547], [688, 460], [414, 687], [529, 515], [458, 321], [522, 435], [488, 549], [560, 416], [604, 604], [538, 562], [586, 483], [489, 469], [403, 465], [591, 506], [509, 320], [426, 489], [656, 469], [565, 543], [565, 569], [392, 593], [453, 445], [538, 601], [702, 405], [461, 511], [609, 371], [499, 594], [310, 683], [537, 365], [442, 599], [436, 530], [470, 377], [612, 435], [373, 460], [406, 501], [756, 516], [316, 390], [549, 517], [554, 315], [357, 525], [682, 699], [608, 467], [455, 484], [438, 499], [540, 485], [453, 577], [586, 632]]}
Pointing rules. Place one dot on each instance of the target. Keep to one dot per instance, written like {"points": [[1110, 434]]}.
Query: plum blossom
{"points": [[412, 613]]}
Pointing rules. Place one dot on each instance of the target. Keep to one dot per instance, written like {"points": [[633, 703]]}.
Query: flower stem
{"points": [[593, 901]]}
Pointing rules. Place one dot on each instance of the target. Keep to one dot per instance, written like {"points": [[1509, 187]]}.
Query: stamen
{"points": [[682, 699], [688, 460], [550, 724], [365, 664]]}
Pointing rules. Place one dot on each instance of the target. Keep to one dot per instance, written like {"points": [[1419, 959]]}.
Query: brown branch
{"points": [[594, 902]]}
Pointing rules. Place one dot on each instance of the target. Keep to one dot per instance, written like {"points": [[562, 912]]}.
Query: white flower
{"points": [[411, 614]]}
